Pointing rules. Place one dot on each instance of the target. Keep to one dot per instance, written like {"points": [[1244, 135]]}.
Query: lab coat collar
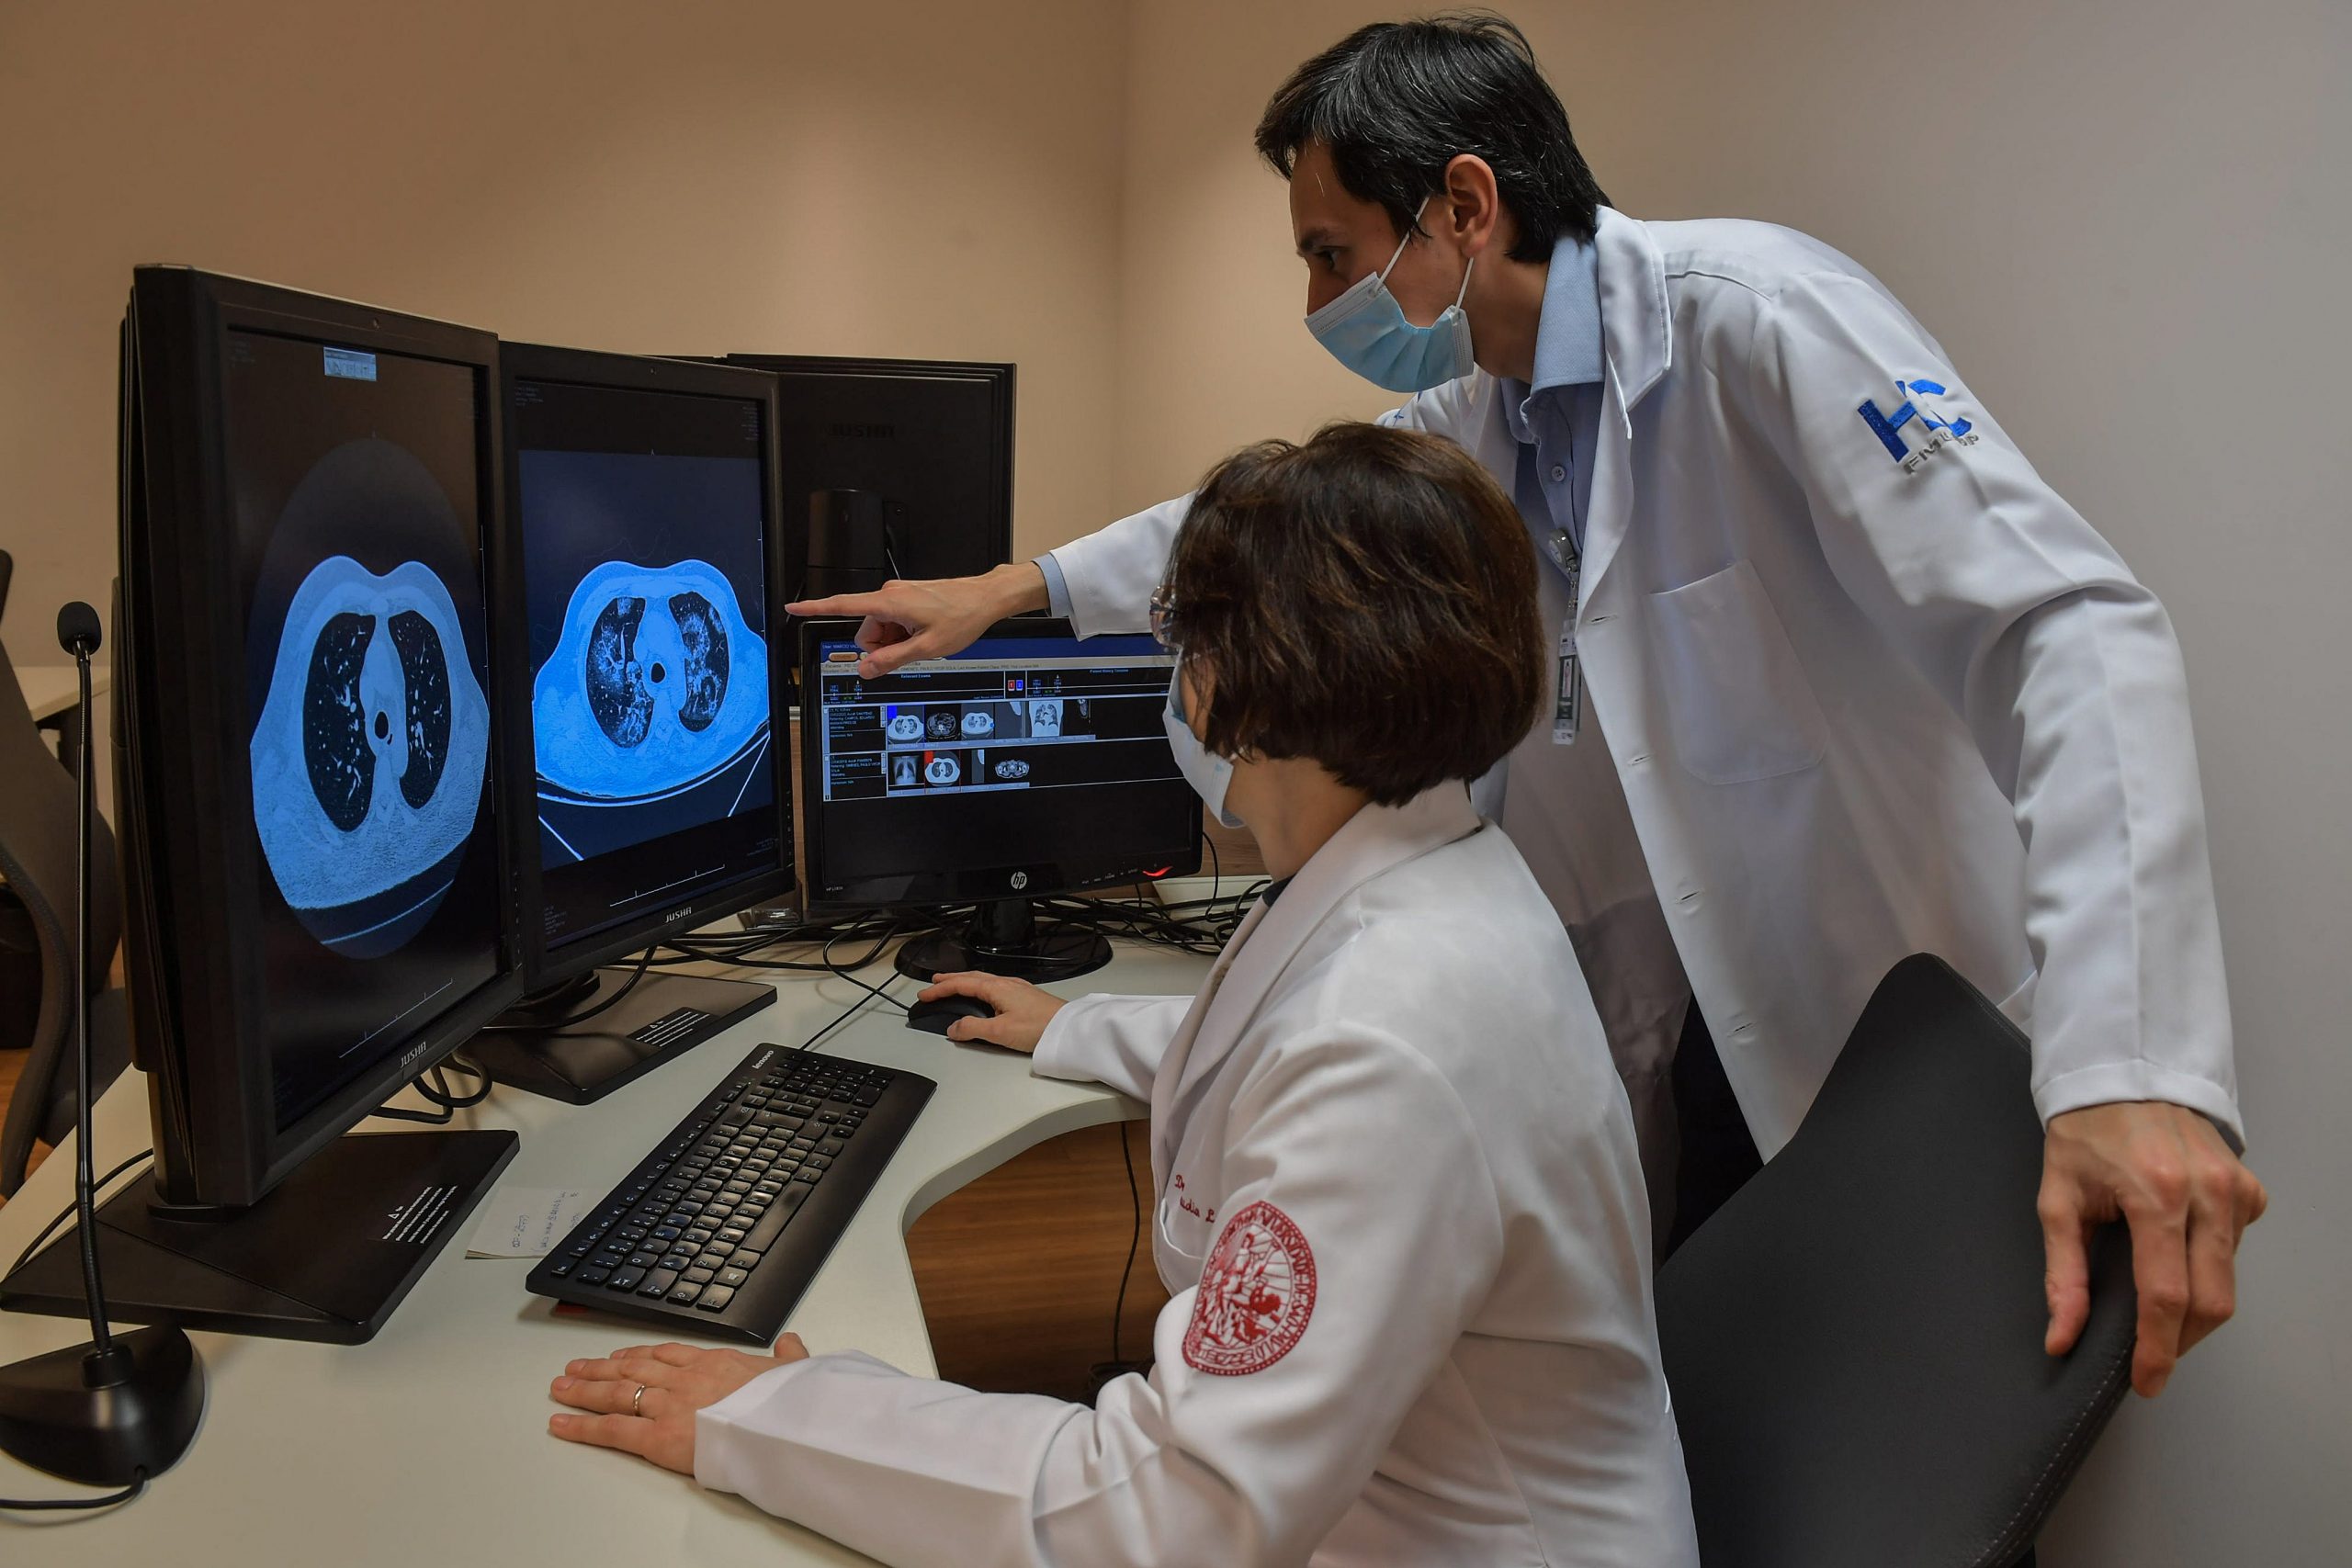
{"points": [[1636, 323], [1638, 328], [1375, 840]]}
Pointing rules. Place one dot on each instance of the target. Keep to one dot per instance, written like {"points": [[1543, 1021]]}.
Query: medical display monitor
{"points": [[933, 439], [641, 513], [310, 778]]}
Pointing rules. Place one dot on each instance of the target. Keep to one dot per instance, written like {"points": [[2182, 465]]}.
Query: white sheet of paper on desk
{"points": [[527, 1221]]}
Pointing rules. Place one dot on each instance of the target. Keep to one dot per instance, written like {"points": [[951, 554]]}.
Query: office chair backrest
{"points": [[1854, 1340], [37, 812]]}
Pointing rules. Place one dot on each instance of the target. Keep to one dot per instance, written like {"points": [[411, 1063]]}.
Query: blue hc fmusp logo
{"points": [[1919, 406]]}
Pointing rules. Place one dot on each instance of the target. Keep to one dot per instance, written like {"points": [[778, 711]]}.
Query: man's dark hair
{"points": [[1397, 101], [1366, 600]]}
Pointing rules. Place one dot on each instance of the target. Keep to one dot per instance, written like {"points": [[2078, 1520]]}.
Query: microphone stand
{"points": [[120, 1408]]}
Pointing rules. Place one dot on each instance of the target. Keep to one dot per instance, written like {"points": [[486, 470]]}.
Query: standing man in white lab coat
{"points": [[1838, 677]]}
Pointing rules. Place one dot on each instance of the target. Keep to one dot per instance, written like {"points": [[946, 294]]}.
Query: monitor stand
{"points": [[1006, 938], [581, 1062], [326, 1255]]}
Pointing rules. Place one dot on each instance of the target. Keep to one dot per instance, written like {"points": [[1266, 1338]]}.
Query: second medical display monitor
{"points": [[644, 566]]}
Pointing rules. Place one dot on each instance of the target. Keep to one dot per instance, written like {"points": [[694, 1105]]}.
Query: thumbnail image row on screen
{"points": [[873, 775], [979, 766], [871, 726]]}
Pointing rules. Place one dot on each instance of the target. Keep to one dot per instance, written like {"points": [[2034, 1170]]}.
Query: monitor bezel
{"points": [[546, 964], [945, 889], [1000, 377], [197, 987]]}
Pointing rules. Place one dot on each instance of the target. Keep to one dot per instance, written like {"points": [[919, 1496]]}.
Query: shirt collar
{"points": [[1567, 335]]}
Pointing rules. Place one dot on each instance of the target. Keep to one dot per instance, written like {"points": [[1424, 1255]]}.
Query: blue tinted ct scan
{"points": [[657, 685], [368, 761], [649, 708]]}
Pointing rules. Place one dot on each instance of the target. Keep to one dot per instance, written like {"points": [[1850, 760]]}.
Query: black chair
{"points": [[1854, 1340], [36, 813]]}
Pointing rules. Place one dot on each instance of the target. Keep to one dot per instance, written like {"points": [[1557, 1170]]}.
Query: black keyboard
{"points": [[719, 1230]]}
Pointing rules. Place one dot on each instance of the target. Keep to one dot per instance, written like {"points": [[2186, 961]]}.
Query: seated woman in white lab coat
{"points": [[1398, 1204]]}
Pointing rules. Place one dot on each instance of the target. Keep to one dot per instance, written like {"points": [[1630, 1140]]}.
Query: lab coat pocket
{"points": [[1737, 701], [1181, 1241]]}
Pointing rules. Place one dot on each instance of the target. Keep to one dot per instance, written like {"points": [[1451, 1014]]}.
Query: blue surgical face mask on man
{"points": [[1203, 770], [1366, 331]]}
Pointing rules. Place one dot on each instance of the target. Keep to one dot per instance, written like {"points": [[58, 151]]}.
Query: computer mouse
{"points": [[936, 1016]]}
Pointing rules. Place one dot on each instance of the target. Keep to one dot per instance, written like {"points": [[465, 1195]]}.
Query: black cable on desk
{"points": [[643, 961], [62, 1504], [439, 1092], [1202, 926], [847, 972], [441, 1118], [433, 1088], [1163, 925], [67, 1213], [738, 949]]}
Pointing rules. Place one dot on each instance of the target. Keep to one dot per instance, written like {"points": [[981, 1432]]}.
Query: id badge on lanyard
{"points": [[1565, 690]]}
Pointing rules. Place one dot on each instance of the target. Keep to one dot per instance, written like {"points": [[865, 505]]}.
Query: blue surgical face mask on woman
{"points": [[1202, 769], [1366, 331]]}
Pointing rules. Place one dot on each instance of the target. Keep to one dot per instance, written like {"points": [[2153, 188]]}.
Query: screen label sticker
{"points": [[350, 364]]}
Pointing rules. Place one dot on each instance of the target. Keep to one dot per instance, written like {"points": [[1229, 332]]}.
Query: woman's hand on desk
{"points": [[678, 1380], [1021, 1010]]}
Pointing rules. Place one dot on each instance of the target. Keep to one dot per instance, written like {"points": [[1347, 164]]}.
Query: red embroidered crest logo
{"points": [[1256, 1294]]}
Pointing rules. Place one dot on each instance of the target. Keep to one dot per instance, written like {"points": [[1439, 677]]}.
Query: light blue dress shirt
{"points": [[1556, 417], [1057, 586]]}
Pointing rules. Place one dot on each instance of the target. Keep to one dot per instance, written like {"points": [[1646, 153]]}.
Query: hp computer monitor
{"points": [[641, 665], [307, 780], [1031, 764], [932, 439]]}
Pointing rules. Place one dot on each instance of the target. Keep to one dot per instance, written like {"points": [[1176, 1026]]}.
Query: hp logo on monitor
{"points": [[1020, 880]]}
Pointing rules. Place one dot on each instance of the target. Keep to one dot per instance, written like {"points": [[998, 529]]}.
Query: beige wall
{"points": [[920, 178], [2129, 222], [1212, 351]]}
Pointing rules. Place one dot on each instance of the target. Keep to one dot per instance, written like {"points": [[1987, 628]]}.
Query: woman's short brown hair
{"points": [[1367, 601]]}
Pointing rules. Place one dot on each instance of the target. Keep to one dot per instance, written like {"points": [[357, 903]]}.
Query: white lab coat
{"points": [[1858, 707], [1396, 1073]]}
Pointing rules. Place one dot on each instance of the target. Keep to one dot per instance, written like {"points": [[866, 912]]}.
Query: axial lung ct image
{"points": [[373, 734], [649, 699], [367, 762], [657, 685]]}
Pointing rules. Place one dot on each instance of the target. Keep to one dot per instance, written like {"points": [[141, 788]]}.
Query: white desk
{"points": [[50, 689], [429, 1444]]}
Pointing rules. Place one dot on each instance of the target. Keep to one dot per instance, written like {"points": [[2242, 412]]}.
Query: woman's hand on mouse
{"points": [[1021, 1010], [678, 1381]]}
